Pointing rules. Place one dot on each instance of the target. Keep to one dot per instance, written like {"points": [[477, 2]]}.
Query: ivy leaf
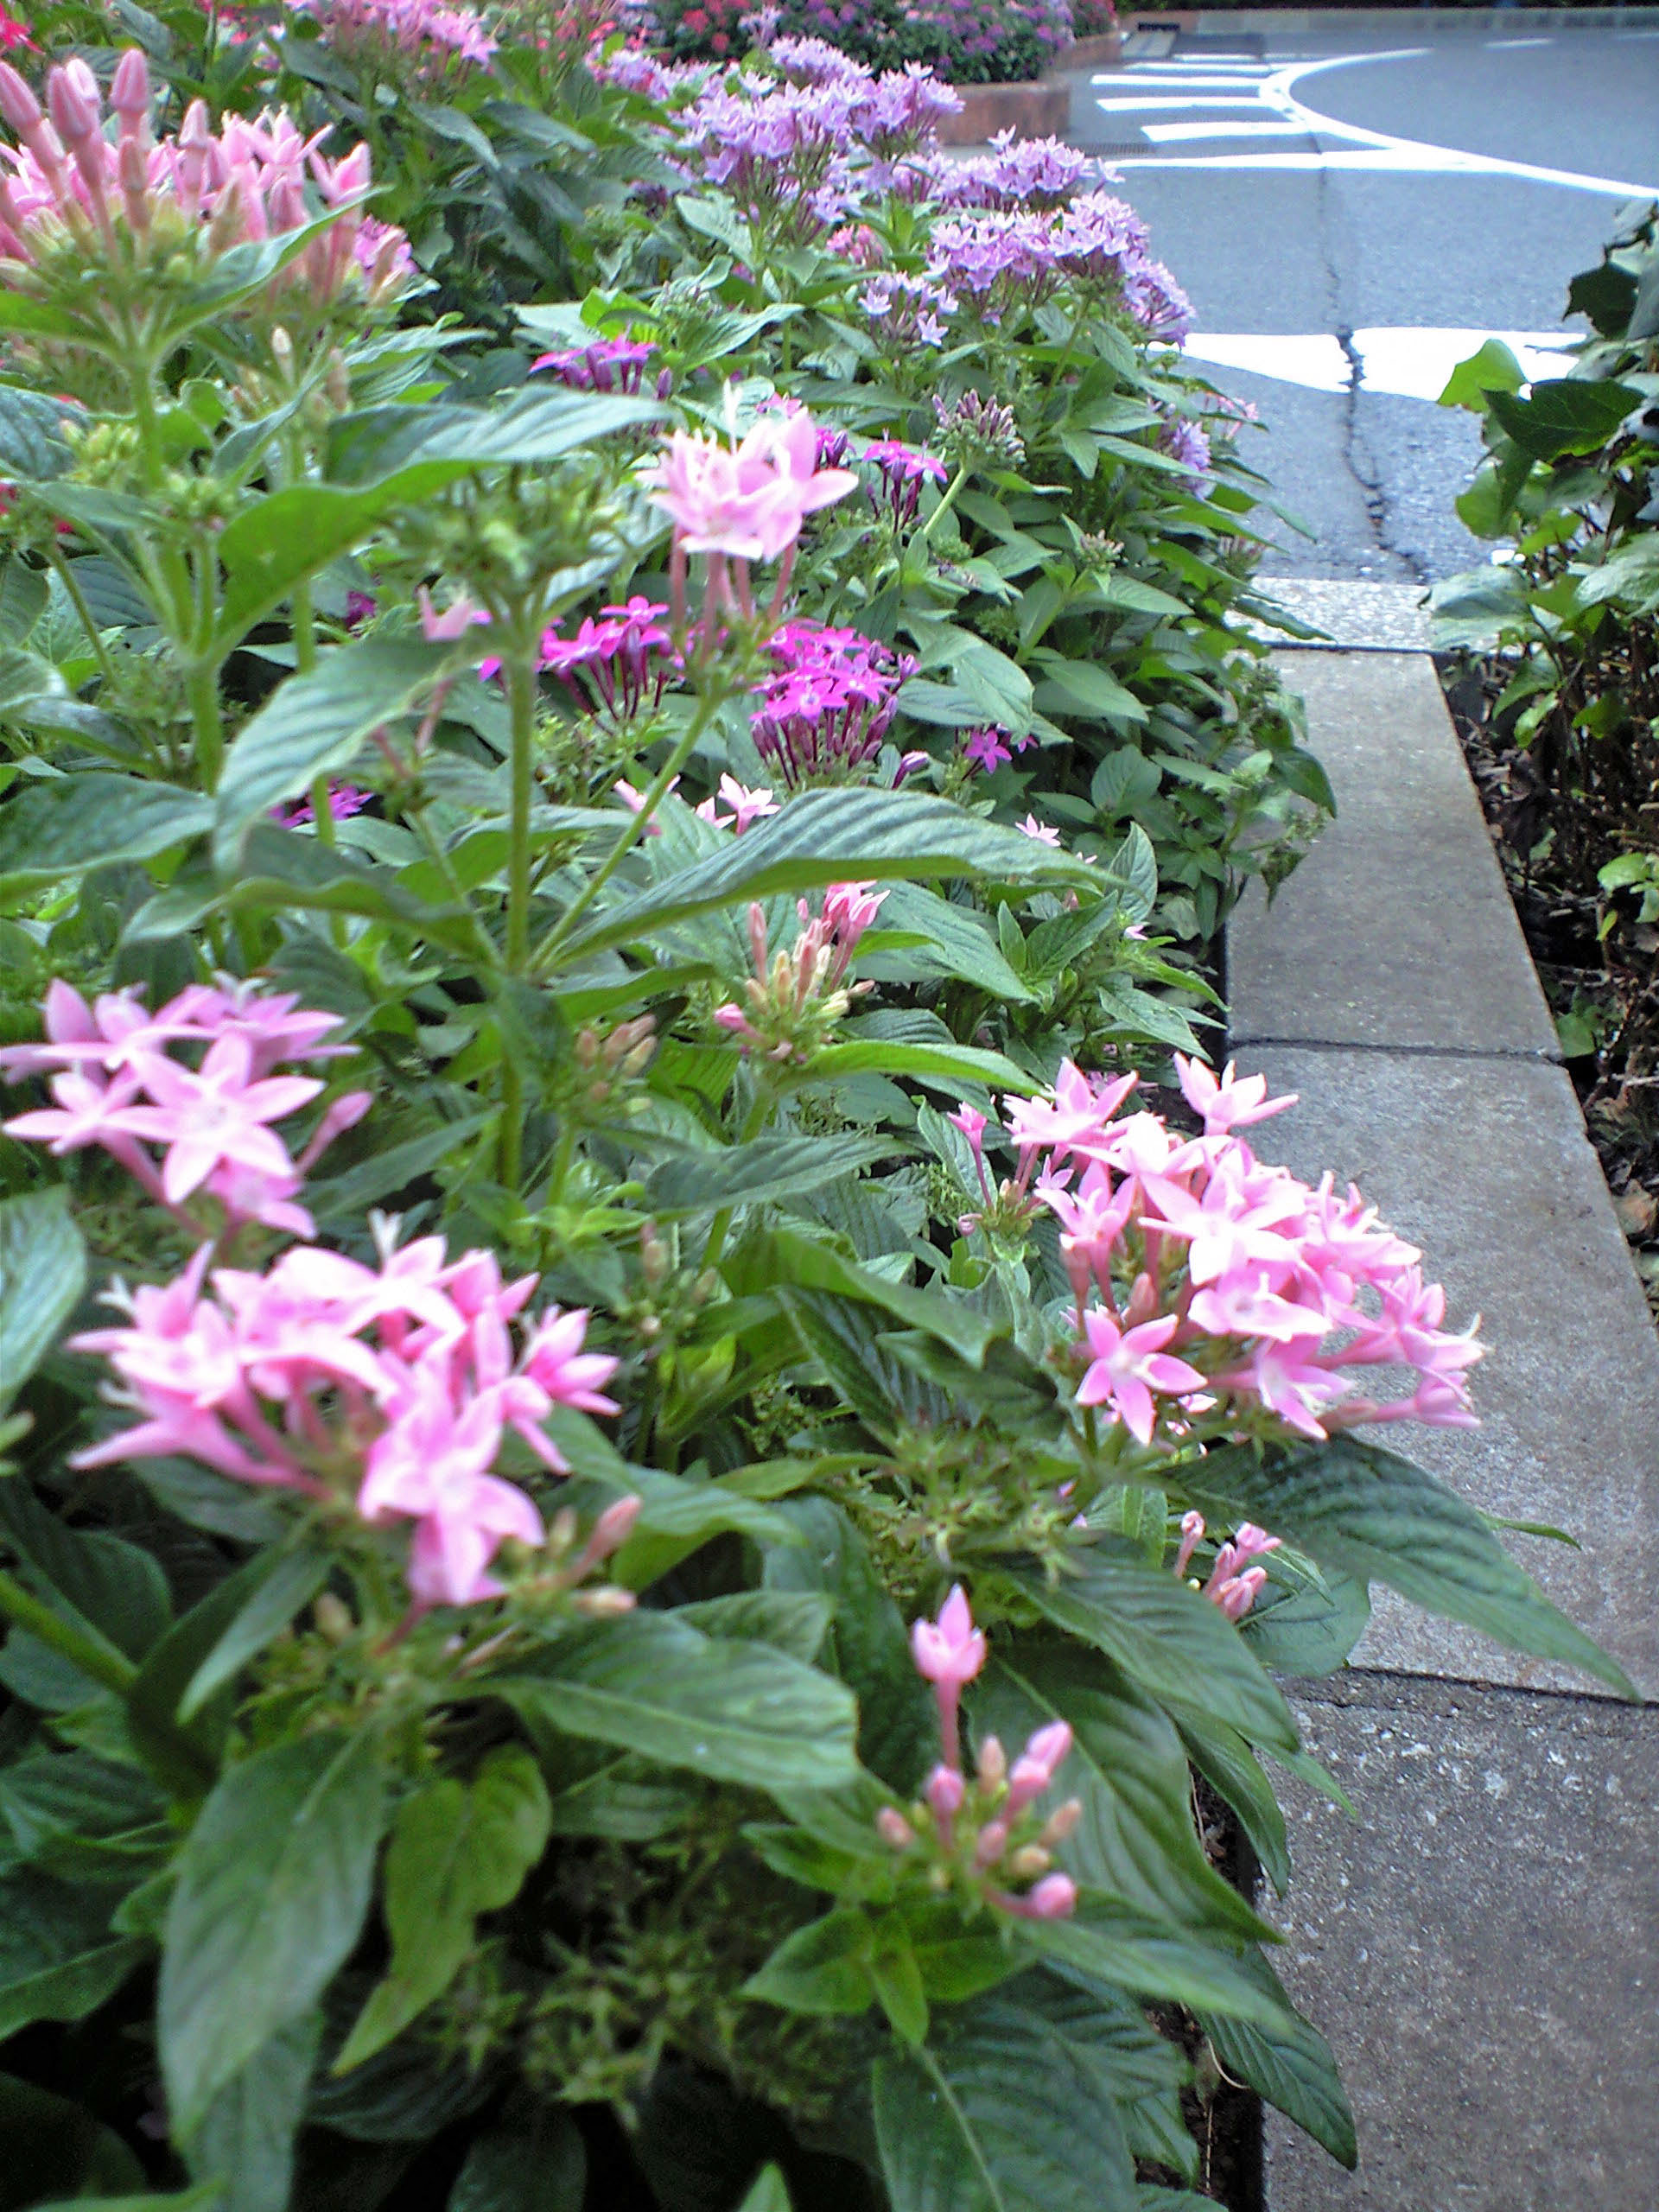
{"points": [[456, 1850], [273, 1882], [42, 1274], [1371, 1514]]}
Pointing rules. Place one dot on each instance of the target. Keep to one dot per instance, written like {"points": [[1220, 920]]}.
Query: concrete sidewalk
{"points": [[1480, 1945]]}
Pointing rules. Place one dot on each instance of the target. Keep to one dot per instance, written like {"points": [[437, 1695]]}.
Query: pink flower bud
{"points": [[73, 115], [950, 1649], [1061, 1822], [130, 88], [945, 1792], [1051, 1747], [993, 1766], [18, 106], [1030, 1858], [1192, 1537], [992, 1843], [614, 1526], [1055, 1898], [894, 1828]]}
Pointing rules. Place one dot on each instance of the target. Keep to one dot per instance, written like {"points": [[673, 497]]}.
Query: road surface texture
{"points": [[1352, 209]]}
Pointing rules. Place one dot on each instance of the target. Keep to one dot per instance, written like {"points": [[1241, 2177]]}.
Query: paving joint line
{"points": [[1310, 1685], [1531, 1057]]}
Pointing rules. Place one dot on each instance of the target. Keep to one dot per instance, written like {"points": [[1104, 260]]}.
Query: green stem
{"points": [[99, 1660], [521, 703], [945, 504], [209, 726], [630, 837], [322, 812], [305, 628], [512, 1153], [78, 601], [759, 1114]]}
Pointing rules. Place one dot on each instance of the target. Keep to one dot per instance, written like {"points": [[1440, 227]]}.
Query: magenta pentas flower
{"points": [[986, 1837], [1234, 1584], [827, 707], [184, 1099], [386, 1392], [606, 365], [1216, 1297], [901, 470], [134, 199], [620, 662], [985, 749], [430, 35]]}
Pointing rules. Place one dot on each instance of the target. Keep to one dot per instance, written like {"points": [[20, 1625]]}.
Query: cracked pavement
{"points": [[1304, 249]]}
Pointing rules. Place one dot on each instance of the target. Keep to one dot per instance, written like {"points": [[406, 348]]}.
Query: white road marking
{"points": [[1515, 45], [1402, 362], [1378, 151], [1162, 134]]}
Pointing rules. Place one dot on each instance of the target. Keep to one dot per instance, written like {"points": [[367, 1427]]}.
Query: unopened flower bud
{"points": [[993, 1766], [894, 1828], [18, 106], [613, 1528], [1030, 1858], [945, 1792], [1055, 1898], [1061, 1822], [332, 1617], [130, 87], [992, 1842], [73, 115], [586, 1048], [337, 382], [281, 346], [562, 1530], [605, 1603]]}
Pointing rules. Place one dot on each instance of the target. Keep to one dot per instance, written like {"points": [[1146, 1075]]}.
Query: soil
{"points": [[1555, 825]]}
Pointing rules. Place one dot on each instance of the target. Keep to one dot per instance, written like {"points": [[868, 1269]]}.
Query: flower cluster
{"points": [[794, 999], [420, 31], [196, 1081], [140, 200], [606, 365], [1012, 258], [1040, 172], [978, 433], [745, 500], [1185, 441], [618, 663], [389, 1390], [825, 711], [1234, 1584], [906, 310], [1228, 1297], [902, 470], [1003, 1841]]}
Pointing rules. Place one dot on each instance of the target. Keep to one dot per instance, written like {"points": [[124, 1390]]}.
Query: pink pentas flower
{"points": [[1044, 832], [748, 500], [1227, 1103], [1129, 1366], [747, 805]]}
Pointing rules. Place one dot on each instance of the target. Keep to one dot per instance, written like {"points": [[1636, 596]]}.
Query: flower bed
{"points": [[1555, 695], [659, 1410]]}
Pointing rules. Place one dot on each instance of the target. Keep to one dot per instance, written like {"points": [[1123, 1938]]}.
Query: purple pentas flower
{"points": [[1185, 441], [984, 748], [606, 365], [825, 711], [1024, 173], [620, 663], [903, 470], [344, 801], [908, 310]]}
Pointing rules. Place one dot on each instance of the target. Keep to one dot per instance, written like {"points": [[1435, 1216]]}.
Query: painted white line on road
{"points": [[1515, 45], [1356, 149], [1400, 362], [1170, 134]]}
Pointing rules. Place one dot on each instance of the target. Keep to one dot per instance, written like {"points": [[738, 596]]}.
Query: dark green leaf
{"points": [[1369, 1513], [1287, 2062], [348, 1196], [42, 1274], [649, 1683], [58, 1960], [752, 1175], [70, 824], [822, 1967], [274, 1881], [265, 1602], [100, 1583], [1308, 1630], [1233, 1769], [1151, 1958], [541, 2166], [1564, 416], [55, 2148], [246, 2143]]}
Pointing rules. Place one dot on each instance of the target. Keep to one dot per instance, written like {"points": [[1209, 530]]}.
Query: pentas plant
{"points": [[434, 38]]}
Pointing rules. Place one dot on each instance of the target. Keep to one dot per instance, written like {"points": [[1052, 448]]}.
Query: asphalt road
{"points": [[1375, 196]]}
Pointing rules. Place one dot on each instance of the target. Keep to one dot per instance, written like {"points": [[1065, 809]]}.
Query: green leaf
{"points": [[541, 2166], [947, 1066], [998, 2116], [31, 433], [1311, 1629], [92, 819], [1494, 368], [1136, 1838], [245, 2143], [456, 1850], [828, 836], [102, 1584], [769, 2194], [58, 1960], [737, 1712], [790, 1620], [1565, 416], [1172, 1642], [1287, 2062], [413, 449], [313, 724], [784, 1255], [348, 1196], [823, 1968], [265, 1602], [209, 2197], [1231, 1768], [1084, 688], [954, 941], [42, 1274], [756, 1174], [273, 1882], [1152, 1957], [54, 2145], [1369, 1513]]}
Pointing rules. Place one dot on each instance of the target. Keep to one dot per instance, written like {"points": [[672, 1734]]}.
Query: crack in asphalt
{"points": [[1369, 479]]}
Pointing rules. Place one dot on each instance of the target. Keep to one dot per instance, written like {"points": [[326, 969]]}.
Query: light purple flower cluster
{"points": [[431, 34], [1009, 258], [908, 310], [903, 470], [1016, 172], [1185, 441], [606, 365], [824, 714]]}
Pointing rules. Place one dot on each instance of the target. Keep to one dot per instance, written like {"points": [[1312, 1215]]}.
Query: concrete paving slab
{"points": [[1397, 929], [1486, 1165], [1356, 617], [1481, 1948]]}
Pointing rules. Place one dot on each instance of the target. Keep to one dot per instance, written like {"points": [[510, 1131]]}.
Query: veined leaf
{"points": [[67, 825], [42, 1274], [752, 1175], [1287, 2062]]}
